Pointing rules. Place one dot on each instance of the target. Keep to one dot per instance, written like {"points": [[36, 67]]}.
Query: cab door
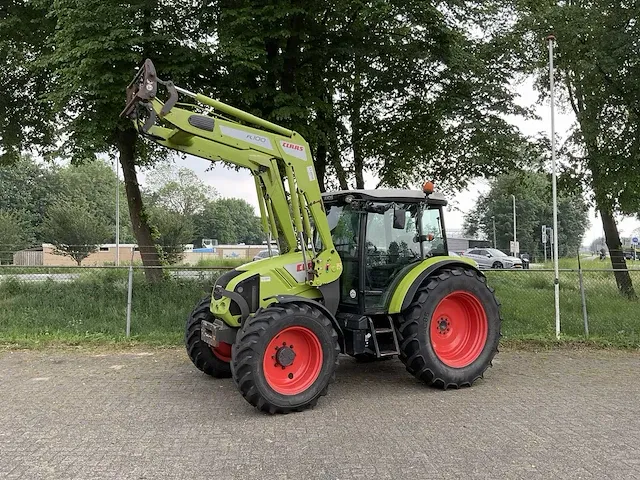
{"points": [[391, 244], [346, 226]]}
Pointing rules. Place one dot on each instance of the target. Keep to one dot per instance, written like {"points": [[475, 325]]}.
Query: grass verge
{"points": [[90, 311]]}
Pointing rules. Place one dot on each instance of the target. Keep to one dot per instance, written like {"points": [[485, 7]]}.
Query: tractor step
{"points": [[385, 335], [383, 330], [388, 353]]}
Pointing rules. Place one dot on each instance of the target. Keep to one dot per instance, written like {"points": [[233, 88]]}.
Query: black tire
{"points": [[414, 329], [251, 345], [200, 352], [497, 265]]}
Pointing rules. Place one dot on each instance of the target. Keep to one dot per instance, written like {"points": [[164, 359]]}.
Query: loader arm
{"points": [[279, 159]]}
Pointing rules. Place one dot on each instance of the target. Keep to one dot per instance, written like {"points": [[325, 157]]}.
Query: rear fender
{"points": [[408, 286]]}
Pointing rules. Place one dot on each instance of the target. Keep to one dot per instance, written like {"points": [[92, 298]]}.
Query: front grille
{"points": [[249, 289]]}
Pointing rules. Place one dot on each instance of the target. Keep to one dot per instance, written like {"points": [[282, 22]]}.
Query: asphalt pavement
{"points": [[152, 415]]}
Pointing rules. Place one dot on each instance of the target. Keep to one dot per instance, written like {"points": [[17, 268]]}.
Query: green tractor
{"points": [[364, 272]]}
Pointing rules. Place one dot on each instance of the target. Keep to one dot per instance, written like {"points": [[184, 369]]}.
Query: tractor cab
{"points": [[380, 235]]}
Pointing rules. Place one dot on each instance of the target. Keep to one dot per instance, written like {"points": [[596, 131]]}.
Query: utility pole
{"points": [[551, 39], [493, 217], [514, 225]]}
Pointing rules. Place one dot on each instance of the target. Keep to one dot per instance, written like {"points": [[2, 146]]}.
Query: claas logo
{"points": [[300, 266], [293, 146]]}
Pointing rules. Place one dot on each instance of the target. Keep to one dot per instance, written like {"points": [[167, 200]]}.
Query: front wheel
{"points": [[284, 357], [213, 361], [449, 334]]}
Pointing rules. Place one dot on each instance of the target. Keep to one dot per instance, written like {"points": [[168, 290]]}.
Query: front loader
{"points": [[363, 272]]}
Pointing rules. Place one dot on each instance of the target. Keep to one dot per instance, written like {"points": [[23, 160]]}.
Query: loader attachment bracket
{"points": [[144, 88]]}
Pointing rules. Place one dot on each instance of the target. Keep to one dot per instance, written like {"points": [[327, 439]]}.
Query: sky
{"points": [[240, 184]]}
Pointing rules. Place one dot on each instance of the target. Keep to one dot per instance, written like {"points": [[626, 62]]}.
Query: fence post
{"points": [[130, 294], [584, 300]]}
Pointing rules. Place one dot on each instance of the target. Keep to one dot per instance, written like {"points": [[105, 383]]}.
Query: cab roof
{"points": [[387, 195]]}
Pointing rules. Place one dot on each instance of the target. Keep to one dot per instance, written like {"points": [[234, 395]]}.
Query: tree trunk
{"points": [[356, 135], [340, 171], [126, 141], [321, 164], [612, 237]]}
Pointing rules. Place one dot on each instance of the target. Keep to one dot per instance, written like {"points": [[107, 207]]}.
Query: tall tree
{"points": [[172, 231], [533, 209], [230, 221], [598, 69], [82, 54], [398, 88], [597, 245], [94, 184], [178, 189], [25, 30], [27, 189], [15, 234], [74, 230]]}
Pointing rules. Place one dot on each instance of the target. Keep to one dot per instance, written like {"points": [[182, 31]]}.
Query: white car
{"points": [[492, 258], [265, 254], [454, 254]]}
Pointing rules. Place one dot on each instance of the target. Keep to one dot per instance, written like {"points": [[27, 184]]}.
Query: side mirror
{"points": [[489, 255], [399, 219]]}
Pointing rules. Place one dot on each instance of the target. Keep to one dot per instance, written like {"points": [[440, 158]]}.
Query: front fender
{"points": [[408, 286]]}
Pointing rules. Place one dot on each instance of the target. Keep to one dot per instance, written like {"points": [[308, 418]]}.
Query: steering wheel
{"points": [[371, 246]]}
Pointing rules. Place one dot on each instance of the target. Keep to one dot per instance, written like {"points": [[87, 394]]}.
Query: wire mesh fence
{"points": [[80, 303], [601, 307], [85, 303]]}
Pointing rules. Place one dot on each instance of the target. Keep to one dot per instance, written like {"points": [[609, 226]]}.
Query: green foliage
{"points": [[220, 262], [533, 209], [27, 189], [174, 230], [74, 230], [397, 88], [94, 185], [97, 47], [92, 309], [15, 234], [82, 55], [597, 245], [230, 221], [178, 189], [25, 30], [598, 67]]}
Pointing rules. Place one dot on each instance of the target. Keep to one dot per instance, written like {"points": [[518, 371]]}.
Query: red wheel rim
{"points": [[293, 360], [459, 329], [222, 351]]}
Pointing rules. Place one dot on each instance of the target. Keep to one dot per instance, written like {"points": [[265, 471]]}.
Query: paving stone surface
{"points": [[152, 415]]}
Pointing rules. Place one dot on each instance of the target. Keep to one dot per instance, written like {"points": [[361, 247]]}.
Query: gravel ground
{"points": [[152, 415]]}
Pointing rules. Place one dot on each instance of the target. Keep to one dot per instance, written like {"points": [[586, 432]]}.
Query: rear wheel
{"points": [[449, 334], [212, 361], [284, 357]]}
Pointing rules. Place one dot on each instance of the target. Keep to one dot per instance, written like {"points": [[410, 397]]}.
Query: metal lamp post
{"points": [[514, 225], [550, 40], [493, 218], [115, 164]]}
